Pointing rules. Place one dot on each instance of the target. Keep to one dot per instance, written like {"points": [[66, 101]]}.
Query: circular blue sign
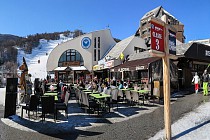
{"points": [[86, 42]]}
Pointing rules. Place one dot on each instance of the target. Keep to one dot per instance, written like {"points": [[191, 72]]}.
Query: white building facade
{"points": [[80, 53]]}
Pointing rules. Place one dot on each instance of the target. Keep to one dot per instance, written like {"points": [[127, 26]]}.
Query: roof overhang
{"points": [[74, 68], [60, 68], [140, 64]]}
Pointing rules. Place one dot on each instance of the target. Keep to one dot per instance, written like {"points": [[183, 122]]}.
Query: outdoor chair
{"points": [[120, 93], [128, 96], [147, 95], [79, 96], [135, 97], [84, 98], [47, 105], [156, 94], [62, 106], [114, 98], [93, 105], [32, 106], [108, 91]]}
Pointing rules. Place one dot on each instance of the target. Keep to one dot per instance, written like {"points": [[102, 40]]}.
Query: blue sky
{"points": [[24, 17]]}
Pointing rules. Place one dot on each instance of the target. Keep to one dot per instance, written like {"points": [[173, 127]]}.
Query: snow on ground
{"points": [[41, 53], [193, 126]]}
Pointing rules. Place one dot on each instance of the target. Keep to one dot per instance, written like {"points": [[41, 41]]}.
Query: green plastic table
{"points": [[51, 94], [100, 95]]}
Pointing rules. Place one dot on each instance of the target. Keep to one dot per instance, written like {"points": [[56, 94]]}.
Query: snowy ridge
{"points": [[38, 70]]}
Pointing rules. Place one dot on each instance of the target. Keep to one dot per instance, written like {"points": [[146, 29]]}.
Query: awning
{"points": [[74, 68], [78, 68], [60, 69], [140, 64]]}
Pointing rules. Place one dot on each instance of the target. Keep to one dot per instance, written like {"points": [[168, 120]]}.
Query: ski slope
{"points": [[41, 53]]}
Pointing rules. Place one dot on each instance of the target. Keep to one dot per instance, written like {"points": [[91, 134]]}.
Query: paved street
{"points": [[142, 127]]}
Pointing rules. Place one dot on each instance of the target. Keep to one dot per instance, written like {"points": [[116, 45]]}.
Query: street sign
{"points": [[159, 48], [157, 36]]}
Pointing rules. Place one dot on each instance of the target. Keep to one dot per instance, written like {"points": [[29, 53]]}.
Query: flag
{"points": [[121, 56]]}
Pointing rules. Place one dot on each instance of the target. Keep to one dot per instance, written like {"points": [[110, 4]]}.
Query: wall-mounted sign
{"points": [[86, 42], [123, 69], [109, 64], [96, 67], [140, 67], [157, 37], [172, 42]]}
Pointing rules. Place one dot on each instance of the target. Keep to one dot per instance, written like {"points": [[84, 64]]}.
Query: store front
{"points": [[146, 71], [136, 70], [192, 57]]}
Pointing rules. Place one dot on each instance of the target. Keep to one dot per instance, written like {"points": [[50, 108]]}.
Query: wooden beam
{"points": [[166, 88]]}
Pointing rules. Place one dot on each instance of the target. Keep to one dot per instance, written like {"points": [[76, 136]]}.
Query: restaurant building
{"points": [[192, 57], [73, 60], [118, 55]]}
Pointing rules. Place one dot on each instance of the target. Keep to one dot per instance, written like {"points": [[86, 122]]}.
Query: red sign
{"points": [[157, 37]]}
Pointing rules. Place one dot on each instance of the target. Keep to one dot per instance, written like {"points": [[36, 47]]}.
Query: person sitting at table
{"points": [[99, 87], [113, 84], [120, 85], [105, 87], [136, 87], [95, 86], [64, 93], [90, 86], [60, 85], [125, 85], [81, 84], [52, 88]]}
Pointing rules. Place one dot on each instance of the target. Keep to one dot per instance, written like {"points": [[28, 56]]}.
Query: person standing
{"points": [[205, 82], [196, 81]]}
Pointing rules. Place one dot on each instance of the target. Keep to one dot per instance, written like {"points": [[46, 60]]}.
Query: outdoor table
{"points": [[95, 92], [86, 90], [100, 97], [142, 93], [51, 94], [124, 89]]}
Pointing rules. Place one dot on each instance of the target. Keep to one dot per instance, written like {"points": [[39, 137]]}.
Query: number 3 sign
{"points": [[157, 37]]}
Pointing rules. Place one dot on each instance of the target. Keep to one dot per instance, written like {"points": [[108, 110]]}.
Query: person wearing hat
{"points": [[205, 82], [196, 81]]}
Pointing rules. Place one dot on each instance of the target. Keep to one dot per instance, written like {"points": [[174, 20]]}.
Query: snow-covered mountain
{"points": [[37, 60]]}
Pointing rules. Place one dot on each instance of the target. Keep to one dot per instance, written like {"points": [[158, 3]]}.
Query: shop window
{"points": [[70, 55]]}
